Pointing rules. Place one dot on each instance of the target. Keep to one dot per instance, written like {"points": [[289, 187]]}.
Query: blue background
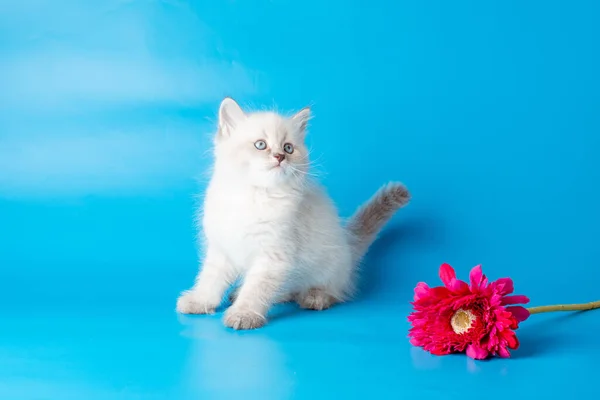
{"points": [[488, 111]]}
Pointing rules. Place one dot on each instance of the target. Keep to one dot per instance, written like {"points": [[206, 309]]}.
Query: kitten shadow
{"points": [[398, 240]]}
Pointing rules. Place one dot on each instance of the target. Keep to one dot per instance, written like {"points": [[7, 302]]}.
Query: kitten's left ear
{"points": [[301, 118], [230, 115]]}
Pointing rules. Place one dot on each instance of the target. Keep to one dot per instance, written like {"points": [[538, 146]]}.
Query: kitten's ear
{"points": [[301, 118], [230, 115]]}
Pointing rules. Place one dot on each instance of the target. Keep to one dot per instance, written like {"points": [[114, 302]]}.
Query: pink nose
{"points": [[279, 157]]}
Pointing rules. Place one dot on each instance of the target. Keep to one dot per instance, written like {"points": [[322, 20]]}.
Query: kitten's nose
{"points": [[279, 157]]}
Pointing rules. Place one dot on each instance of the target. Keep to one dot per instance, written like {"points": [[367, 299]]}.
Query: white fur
{"points": [[269, 226]]}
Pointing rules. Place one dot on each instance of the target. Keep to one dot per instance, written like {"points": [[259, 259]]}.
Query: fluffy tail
{"points": [[369, 219]]}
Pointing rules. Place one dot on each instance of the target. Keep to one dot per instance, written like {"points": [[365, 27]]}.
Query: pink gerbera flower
{"points": [[480, 318]]}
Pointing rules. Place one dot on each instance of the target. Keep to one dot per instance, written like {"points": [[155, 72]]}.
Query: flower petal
{"points": [[484, 282], [511, 339], [439, 292], [421, 291], [476, 277], [447, 274], [515, 343], [516, 299], [458, 286], [502, 352], [520, 313], [505, 286], [476, 352]]}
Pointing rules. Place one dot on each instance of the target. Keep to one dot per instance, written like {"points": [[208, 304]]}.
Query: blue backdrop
{"points": [[488, 111]]}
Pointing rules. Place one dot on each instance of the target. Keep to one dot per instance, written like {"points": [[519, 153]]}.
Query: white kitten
{"points": [[266, 223]]}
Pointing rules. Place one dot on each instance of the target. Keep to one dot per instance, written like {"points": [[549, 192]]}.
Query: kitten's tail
{"points": [[370, 218]]}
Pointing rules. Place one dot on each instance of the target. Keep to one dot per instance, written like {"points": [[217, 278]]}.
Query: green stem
{"points": [[565, 307]]}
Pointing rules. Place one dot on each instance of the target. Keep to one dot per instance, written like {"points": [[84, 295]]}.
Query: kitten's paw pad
{"points": [[316, 299], [243, 319], [189, 304]]}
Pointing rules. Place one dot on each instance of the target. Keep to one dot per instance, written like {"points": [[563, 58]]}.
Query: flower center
{"points": [[462, 320]]}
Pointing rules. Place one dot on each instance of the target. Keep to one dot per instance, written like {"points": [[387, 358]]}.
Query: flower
{"points": [[480, 318]]}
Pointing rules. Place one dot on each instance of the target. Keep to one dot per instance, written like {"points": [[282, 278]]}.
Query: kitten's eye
{"points": [[260, 144], [288, 148]]}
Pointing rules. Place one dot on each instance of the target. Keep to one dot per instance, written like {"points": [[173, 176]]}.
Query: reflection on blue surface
{"points": [[488, 111]]}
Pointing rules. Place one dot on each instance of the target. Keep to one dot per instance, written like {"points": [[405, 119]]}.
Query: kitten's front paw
{"points": [[190, 303], [243, 319]]}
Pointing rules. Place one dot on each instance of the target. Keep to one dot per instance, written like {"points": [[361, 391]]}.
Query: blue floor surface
{"points": [[487, 111], [354, 351]]}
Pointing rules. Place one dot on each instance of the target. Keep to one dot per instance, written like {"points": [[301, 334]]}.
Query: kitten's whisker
{"points": [[311, 166], [301, 172]]}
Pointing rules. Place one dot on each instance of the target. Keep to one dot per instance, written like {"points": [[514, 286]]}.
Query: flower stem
{"points": [[565, 307]]}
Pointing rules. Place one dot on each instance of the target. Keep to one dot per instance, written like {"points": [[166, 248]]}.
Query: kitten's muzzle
{"points": [[279, 157]]}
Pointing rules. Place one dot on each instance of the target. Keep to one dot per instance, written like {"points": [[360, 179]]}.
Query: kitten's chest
{"points": [[241, 223]]}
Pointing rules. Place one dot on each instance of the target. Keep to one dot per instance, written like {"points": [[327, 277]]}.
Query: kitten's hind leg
{"points": [[315, 299]]}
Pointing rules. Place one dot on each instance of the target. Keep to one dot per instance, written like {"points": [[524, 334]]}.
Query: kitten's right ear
{"points": [[301, 118], [230, 115]]}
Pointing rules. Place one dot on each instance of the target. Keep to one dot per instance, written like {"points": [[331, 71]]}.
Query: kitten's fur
{"points": [[274, 228]]}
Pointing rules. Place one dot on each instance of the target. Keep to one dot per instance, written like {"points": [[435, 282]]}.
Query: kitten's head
{"points": [[264, 148]]}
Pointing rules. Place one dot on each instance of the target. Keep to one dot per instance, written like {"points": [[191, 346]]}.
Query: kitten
{"points": [[267, 223]]}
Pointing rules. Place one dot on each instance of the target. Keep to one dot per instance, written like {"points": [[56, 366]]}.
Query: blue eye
{"points": [[260, 144], [288, 148]]}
